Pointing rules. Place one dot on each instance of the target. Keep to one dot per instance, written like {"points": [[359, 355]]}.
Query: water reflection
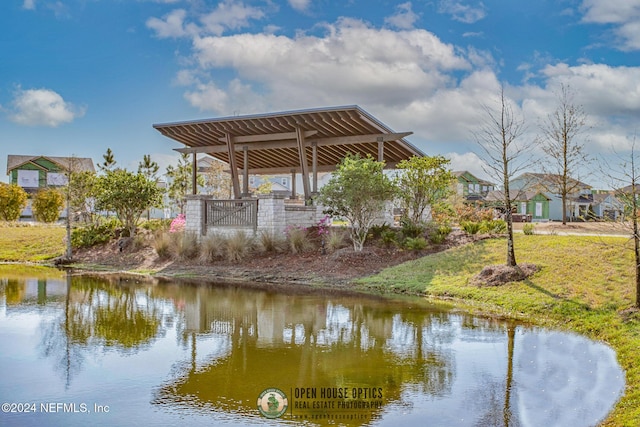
{"points": [[167, 352]]}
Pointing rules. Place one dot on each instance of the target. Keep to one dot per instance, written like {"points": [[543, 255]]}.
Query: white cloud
{"points": [[42, 107], [404, 18], [228, 15], [351, 62], [231, 15], [300, 5], [624, 15], [408, 78], [462, 12], [467, 162], [29, 4], [172, 24]]}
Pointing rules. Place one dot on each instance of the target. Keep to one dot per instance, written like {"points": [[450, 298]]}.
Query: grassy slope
{"points": [[583, 284], [31, 243]]}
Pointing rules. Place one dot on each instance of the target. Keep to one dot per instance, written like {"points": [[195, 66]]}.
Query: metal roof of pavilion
{"points": [[271, 143]]}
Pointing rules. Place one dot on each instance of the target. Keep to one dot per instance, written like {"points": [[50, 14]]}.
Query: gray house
{"points": [[579, 200]]}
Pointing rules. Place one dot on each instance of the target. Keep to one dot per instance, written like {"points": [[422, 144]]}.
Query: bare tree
{"points": [[626, 178], [503, 155], [565, 153]]}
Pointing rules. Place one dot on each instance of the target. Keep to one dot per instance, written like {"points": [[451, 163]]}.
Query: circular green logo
{"points": [[272, 403]]}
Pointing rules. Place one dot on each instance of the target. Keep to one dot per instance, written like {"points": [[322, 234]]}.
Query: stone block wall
{"points": [[271, 213]]}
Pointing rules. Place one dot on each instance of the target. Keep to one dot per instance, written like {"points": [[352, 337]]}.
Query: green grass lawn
{"points": [[23, 243], [583, 285]]}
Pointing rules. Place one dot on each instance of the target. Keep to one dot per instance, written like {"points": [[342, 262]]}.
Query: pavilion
{"points": [[303, 142]]}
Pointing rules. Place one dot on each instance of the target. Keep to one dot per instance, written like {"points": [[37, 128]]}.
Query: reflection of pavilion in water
{"points": [[20, 292], [304, 341]]}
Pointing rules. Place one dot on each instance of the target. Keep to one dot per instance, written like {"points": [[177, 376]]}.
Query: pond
{"points": [[78, 350]]}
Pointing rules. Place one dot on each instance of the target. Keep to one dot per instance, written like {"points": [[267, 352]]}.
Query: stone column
{"points": [[271, 216], [194, 215]]}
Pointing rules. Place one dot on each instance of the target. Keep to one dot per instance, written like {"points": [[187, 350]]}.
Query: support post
{"points": [[380, 149], [293, 185], [194, 175], [245, 172], [233, 166], [314, 166], [304, 167]]}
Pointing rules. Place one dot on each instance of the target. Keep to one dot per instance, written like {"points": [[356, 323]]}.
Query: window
{"points": [[523, 208], [56, 179], [28, 178], [538, 209]]}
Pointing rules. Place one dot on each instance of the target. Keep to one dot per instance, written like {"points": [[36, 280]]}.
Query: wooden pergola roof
{"points": [[302, 141]]}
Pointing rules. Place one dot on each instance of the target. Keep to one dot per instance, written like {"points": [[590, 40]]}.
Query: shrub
{"points": [[412, 229], [270, 242], [470, 227], [162, 244], [376, 230], [186, 245], [47, 205], [212, 246], [336, 239], [467, 213], [12, 200], [415, 243], [156, 224], [497, 226], [298, 239], [528, 229], [438, 233], [238, 246], [93, 234], [177, 224], [389, 238]]}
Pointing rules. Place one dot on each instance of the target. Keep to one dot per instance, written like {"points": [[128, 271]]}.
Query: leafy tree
{"points": [[565, 153], [423, 182], [13, 199], [82, 190], [109, 162], [128, 195], [78, 194], [499, 138], [357, 191], [180, 181], [47, 205]]}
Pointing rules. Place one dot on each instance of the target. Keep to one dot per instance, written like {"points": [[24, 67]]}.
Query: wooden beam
{"points": [[270, 137], [340, 140], [314, 166], [302, 155], [233, 167], [245, 173], [194, 175], [380, 149], [286, 170], [293, 184]]}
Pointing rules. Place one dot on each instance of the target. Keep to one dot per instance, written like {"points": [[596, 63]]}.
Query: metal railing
{"points": [[231, 213]]}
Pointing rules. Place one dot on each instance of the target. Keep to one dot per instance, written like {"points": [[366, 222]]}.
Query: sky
{"points": [[80, 76]]}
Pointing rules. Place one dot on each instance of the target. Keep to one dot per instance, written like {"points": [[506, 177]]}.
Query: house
{"points": [[607, 206], [527, 206], [35, 172], [579, 198], [470, 187]]}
